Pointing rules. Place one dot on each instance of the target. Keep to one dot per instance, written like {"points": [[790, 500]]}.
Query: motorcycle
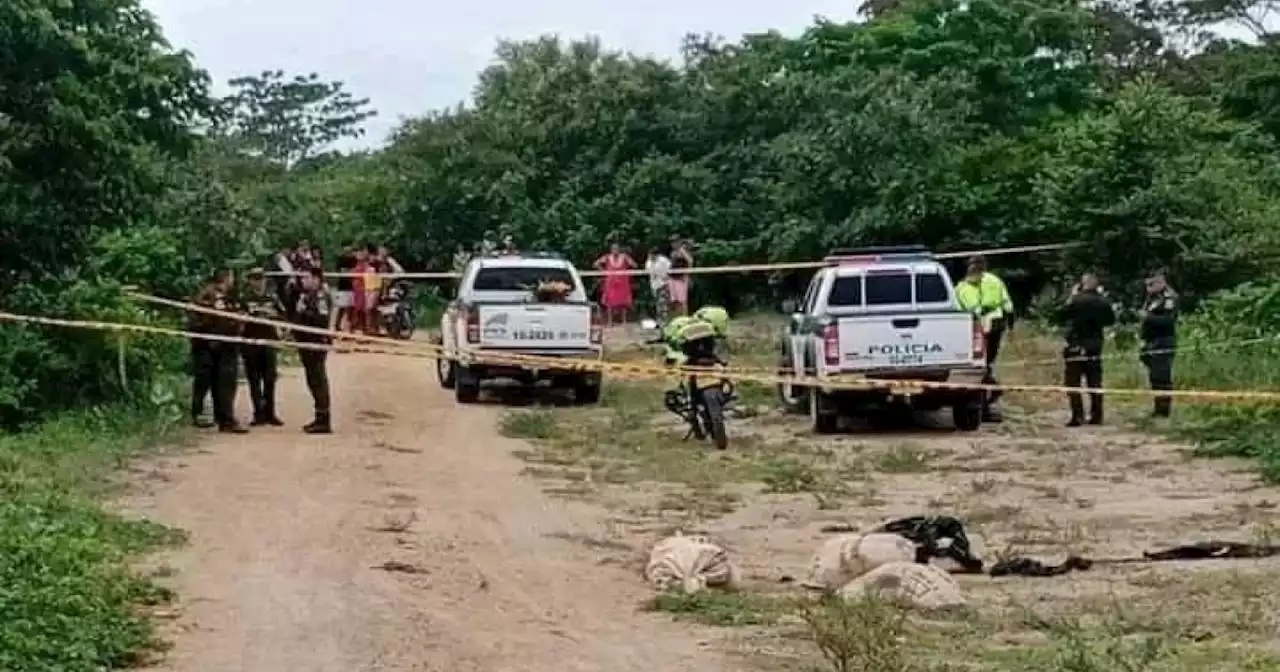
{"points": [[395, 312], [699, 400]]}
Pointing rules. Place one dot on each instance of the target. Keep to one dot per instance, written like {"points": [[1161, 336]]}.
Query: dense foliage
{"points": [[1127, 127], [1131, 127]]}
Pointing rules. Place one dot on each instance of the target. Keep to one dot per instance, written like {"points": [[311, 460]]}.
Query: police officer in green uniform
{"points": [[312, 308], [201, 357], [984, 294], [1159, 332], [260, 366], [224, 357]]}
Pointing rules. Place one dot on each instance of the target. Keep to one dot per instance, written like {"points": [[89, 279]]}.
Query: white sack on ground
{"points": [[844, 558], [691, 563], [921, 586]]}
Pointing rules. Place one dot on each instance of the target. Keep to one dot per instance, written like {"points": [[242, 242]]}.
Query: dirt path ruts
{"points": [[286, 531]]}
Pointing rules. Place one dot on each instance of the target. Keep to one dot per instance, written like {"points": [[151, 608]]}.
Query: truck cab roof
{"points": [[880, 283]]}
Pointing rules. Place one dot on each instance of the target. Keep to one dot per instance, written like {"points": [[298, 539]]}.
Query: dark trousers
{"points": [[225, 364], [1083, 364], [317, 374], [201, 376], [992, 345], [260, 370], [1157, 356]]}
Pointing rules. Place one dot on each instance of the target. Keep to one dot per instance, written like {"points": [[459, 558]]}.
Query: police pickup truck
{"points": [[882, 317], [495, 312]]}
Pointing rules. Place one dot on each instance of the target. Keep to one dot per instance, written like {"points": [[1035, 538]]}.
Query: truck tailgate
{"points": [[923, 340], [542, 326]]}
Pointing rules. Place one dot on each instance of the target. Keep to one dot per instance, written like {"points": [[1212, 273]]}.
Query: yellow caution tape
{"points": [[657, 372]]}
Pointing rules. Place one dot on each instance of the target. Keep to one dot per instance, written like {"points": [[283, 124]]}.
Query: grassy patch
{"points": [[630, 438], [68, 601], [721, 608]]}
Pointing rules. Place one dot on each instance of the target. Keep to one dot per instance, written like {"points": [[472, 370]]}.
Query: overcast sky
{"points": [[410, 56]]}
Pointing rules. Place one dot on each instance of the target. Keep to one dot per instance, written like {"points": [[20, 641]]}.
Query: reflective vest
{"points": [[988, 299]]}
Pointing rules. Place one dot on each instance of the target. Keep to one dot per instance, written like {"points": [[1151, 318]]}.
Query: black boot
{"points": [[232, 427], [259, 419], [1074, 422], [1095, 409], [319, 426]]}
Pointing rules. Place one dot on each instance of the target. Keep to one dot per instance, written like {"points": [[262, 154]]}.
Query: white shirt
{"points": [[659, 268]]}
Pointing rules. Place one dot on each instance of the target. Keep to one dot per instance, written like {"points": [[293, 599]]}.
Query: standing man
{"points": [[224, 356], [1159, 334], [1088, 313], [201, 357], [985, 295], [313, 309], [260, 366]]}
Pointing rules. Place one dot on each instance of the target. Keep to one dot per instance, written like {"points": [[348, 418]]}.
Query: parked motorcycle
{"points": [[395, 311], [700, 399]]}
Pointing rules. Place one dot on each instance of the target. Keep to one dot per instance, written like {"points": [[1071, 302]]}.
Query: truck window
{"points": [[519, 278], [931, 288], [885, 289], [846, 292]]}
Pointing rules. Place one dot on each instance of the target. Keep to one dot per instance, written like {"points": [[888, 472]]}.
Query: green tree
{"points": [[290, 120]]}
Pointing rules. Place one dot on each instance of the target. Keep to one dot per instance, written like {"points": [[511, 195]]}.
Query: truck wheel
{"points": [[445, 371], [586, 392], [794, 398], [826, 420], [466, 386], [967, 415]]}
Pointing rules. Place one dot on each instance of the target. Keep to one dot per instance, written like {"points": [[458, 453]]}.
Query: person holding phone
{"points": [[1087, 313]]}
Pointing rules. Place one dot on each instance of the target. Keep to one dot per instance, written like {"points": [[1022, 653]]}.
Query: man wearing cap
{"points": [[260, 365], [1159, 332], [985, 295], [313, 309]]}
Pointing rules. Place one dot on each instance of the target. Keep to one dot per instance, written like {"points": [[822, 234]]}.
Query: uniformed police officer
{"points": [[313, 307], [1088, 313], [260, 366], [224, 362], [985, 295], [201, 360], [1159, 332]]}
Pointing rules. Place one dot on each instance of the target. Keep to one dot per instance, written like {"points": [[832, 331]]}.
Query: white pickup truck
{"points": [[495, 312], [884, 316]]}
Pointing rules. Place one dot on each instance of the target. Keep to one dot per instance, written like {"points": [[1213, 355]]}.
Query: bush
{"points": [[68, 601], [1233, 338]]}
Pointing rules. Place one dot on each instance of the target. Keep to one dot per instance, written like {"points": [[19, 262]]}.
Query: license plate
{"points": [[387, 310], [707, 384]]}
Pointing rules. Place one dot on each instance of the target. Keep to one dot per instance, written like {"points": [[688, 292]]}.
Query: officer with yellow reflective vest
{"points": [[985, 295], [707, 322]]}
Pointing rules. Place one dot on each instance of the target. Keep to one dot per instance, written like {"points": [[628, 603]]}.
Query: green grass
{"points": [[68, 600], [722, 608]]}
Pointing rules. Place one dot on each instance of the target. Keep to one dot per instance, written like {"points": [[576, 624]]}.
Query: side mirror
{"points": [[788, 306], [648, 323]]}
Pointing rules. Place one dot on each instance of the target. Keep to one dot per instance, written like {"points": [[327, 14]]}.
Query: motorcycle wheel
{"points": [[404, 324], [713, 418]]}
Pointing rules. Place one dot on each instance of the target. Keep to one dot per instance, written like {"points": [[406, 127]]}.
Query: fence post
{"points": [[122, 369]]}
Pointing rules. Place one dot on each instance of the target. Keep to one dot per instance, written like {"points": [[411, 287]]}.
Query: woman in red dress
{"points": [[615, 294]]}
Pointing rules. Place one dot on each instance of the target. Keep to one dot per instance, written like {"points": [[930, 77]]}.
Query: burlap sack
{"points": [[920, 586], [690, 562], [844, 558]]}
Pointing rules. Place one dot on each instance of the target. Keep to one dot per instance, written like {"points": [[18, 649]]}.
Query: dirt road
{"points": [[291, 535]]}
